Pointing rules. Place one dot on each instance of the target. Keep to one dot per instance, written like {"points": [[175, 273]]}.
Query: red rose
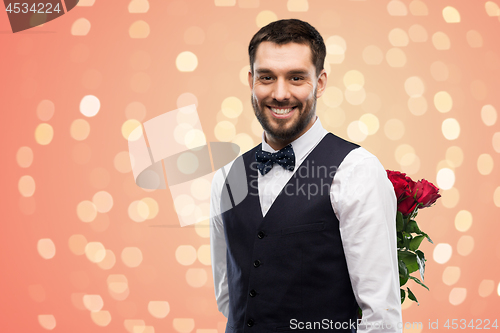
{"points": [[400, 183], [404, 188], [426, 193], [408, 203]]}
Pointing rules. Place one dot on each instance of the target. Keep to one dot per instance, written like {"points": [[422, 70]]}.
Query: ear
{"points": [[322, 79], [250, 79]]}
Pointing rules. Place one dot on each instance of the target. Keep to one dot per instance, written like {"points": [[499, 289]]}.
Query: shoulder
{"points": [[361, 175], [360, 164], [360, 154]]}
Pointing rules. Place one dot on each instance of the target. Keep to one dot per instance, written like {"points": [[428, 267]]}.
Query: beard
{"points": [[283, 133]]}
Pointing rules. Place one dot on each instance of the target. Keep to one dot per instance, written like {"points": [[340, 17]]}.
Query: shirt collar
{"points": [[304, 143]]}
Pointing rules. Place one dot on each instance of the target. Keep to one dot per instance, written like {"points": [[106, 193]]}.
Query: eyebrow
{"points": [[292, 72]]}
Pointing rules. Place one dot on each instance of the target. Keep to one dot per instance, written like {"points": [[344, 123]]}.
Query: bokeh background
{"points": [[84, 249]]}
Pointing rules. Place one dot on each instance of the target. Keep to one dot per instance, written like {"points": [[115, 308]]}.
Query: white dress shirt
{"points": [[364, 202]]}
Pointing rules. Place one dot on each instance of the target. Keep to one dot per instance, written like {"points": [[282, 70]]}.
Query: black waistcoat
{"points": [[288, 267]]}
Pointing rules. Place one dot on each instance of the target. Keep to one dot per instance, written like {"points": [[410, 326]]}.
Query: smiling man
{"points": [[285, 87], [315, 236]]}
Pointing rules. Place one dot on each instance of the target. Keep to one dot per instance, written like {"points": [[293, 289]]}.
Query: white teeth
{"points": [[281, 111]]}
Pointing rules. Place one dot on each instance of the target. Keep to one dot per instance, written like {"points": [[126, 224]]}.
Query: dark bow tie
{"points": [[284, 157]]}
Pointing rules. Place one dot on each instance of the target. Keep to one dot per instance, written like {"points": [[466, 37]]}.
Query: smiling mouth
{"points": [[281, 110]]}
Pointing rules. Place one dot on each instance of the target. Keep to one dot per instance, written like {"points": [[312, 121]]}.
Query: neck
{"points": [[276, 144]]}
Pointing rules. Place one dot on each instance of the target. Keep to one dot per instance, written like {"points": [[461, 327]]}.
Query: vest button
{"points": [[261, 235], [256, 263], [250, 322], [253, 293]]}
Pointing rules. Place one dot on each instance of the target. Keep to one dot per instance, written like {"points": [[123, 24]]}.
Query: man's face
{"points": [[284, 89]]}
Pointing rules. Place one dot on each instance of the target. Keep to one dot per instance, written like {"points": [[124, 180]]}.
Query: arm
{"points": [[218, 246], [365, 204]]}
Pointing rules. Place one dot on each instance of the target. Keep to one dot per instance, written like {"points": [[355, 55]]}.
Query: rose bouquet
{"points": [[411, 196]]}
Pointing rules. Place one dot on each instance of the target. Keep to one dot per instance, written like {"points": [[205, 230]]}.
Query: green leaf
{"points": [[421, 263], [428, 238], [403, 273], [421, 233], [421, 255], [415, 242], [411, 296], [399, 221], [400, 238], [419, 282], [410, 260], [406, 240], [403, 295], [412, 226]]}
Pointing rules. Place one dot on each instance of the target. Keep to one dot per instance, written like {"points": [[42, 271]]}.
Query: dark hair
{"points": [[290, 31]]}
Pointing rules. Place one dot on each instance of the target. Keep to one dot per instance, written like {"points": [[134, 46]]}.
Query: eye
{"points": [[296, 78], [265, 78]]}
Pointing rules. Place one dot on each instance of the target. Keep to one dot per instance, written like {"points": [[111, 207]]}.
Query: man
{"points": [[315, 236]]}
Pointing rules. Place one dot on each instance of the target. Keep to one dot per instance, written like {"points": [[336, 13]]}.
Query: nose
{"points": [[281, 90]]}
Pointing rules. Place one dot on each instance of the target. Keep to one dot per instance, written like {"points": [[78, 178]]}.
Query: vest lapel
{"points": [[278, 202]]}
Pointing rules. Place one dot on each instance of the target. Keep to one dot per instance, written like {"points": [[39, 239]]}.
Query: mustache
{"points": [[281, 104]]}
